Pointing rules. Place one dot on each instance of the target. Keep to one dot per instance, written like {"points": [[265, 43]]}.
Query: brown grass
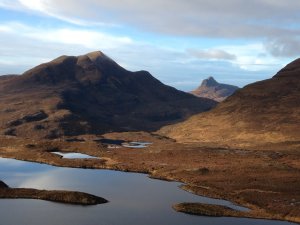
{"points": [[67, 197], [265, 180]]}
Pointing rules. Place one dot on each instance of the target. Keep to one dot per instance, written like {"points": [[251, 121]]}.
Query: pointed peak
{"points": [[97, 57], [210, 81]]}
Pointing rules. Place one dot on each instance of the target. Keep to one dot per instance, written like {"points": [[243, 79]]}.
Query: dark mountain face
{"points": [[3, 185], [290, 70], [209, 82], [263, 112], [211, 89], [90, 94]]}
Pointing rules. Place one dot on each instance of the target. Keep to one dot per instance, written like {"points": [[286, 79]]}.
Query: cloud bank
{"points": [[225, 19], [251, 38]]}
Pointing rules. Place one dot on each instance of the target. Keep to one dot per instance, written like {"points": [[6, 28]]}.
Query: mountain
{"points": [[89, 94], [211, 89], [263, 112]]}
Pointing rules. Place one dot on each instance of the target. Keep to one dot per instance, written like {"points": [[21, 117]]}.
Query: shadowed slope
{"points": [[264, 112], [89, 94]]}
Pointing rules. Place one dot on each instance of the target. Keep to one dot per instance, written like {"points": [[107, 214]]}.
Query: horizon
{"points": [[237, 43]]}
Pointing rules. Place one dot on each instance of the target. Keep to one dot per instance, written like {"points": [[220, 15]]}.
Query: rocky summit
{"points": [[89, 94], [211, 89]]}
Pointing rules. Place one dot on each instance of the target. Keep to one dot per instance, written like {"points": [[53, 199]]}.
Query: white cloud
{"points": [[88, 39], [278, 21], [287, 46], [37, 5], [225, 19], [254, 57], [5, 29], [216, 54], [27, 46], [71, 36], [8, 4]]}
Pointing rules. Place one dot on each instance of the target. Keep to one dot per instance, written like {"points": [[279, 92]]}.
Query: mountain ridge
{"points": [[91, 93]]}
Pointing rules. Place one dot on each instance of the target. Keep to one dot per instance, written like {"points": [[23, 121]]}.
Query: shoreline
{"points": [[178, 207], [132, 160]]}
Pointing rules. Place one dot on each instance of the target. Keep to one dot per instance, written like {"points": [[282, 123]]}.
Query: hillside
{"points": [[263, 112], [89, 94]]}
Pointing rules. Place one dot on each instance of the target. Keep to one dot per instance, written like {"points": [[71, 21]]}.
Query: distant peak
{"points": [[210, 81], [214, 90]]}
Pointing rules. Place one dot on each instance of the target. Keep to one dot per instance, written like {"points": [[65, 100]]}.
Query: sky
{"points": [[180, 42]]}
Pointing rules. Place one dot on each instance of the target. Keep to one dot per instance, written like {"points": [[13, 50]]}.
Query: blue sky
{"points": [[179, 42]]}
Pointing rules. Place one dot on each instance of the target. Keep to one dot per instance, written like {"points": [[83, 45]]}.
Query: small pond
{"points": [[74, 155], [136, 144], [112, 143]]}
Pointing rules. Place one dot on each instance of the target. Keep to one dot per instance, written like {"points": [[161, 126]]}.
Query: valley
{"points": [[87, 112]]}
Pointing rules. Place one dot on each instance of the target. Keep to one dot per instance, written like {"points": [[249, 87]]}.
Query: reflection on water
{"points": [[136, 144], [113, 143], [134, 198], [74, 155]]}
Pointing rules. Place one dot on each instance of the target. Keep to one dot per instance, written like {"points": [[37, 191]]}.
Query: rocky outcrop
{"points": [[28, 118]]}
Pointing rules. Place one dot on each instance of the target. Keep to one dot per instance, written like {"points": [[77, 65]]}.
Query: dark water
{"points": [[134, 199]]}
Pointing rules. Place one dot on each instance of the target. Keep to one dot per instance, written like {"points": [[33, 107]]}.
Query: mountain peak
{"points": [[211, 89], [90, 94], [209, 82], [83, 69], [97, 56], [94, 55]]}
